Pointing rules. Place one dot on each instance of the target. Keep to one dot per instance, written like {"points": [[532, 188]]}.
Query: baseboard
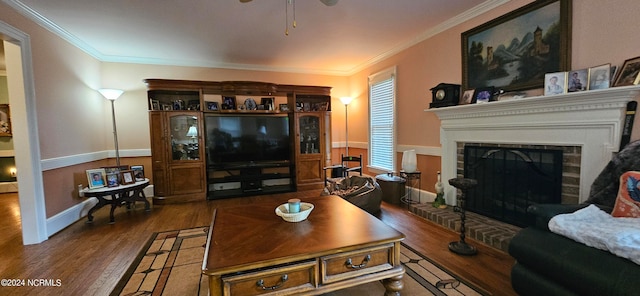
{"points": [[425, 196], [69, 216], [6, 187], [77, 212]]}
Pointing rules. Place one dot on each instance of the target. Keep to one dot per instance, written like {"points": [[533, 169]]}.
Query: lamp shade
{"points": [[111, 94], [192, 132], [409, 161], [346, 100]]}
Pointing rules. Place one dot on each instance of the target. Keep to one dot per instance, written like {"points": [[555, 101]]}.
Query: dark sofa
{"points": [[551, 264]]}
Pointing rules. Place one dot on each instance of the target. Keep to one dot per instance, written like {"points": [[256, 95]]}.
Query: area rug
{"points": [[170, 264]]}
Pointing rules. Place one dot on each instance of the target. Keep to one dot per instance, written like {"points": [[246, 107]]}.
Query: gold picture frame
{"points": [[488, 59], [5, 121]]}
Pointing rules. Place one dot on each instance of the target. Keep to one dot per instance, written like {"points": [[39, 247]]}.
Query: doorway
{"points": [[20, 85]]}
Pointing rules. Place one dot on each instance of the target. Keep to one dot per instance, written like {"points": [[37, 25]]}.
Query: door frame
{"points": [[25, 134]]}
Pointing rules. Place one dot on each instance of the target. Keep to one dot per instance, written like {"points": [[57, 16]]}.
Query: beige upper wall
{"points": [[131, 108], [66, 101]]}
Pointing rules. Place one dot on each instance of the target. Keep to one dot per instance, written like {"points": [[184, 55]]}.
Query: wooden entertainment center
{"points": [[219, 139]]}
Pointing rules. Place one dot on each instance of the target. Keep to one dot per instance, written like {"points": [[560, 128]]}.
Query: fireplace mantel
{"points": [[592, 120]]}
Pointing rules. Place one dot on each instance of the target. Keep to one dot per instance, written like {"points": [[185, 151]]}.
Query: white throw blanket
{"points": [[596, 228]]}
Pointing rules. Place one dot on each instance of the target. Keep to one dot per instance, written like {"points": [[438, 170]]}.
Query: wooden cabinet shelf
{"points": [[177, 160], [308, 125], [242, 180]]}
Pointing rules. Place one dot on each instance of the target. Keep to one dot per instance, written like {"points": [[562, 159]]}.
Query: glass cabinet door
{"points": [[309, 134], [183, 130]]}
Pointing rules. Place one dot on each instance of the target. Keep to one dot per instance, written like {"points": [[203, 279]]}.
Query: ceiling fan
{"points": [[325, 2], [293, 4]]}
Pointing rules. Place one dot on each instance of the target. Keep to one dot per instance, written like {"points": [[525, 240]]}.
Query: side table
{"points": [[117, 196], [413, 178]]}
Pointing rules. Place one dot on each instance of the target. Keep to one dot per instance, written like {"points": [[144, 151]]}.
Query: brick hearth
{"points": [[491, 232]]}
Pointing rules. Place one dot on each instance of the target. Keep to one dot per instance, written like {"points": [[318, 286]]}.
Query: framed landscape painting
{"points": [[515, 51]]}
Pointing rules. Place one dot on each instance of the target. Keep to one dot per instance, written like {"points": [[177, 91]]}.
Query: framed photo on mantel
{"points": [[515, 51]]}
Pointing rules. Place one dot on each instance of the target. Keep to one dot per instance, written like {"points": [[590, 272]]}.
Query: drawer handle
{"points": [[366, 260], [283, 279]]}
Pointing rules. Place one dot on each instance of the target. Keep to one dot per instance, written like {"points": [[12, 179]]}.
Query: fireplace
{"points": [[510, 179], [589, 122]]}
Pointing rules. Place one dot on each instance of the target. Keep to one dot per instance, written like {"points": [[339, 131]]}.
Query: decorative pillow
{"points": [[628, 200]]}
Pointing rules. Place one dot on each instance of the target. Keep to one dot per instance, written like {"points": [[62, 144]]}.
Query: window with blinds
{"points": [[382, 97]]}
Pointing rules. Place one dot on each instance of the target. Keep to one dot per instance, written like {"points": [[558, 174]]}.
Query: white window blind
{"points": [[382, 120]]}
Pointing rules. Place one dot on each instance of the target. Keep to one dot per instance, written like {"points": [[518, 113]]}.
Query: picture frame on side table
{"points": [[138, 172], [109, 170], [555, 83], [599, 77], [127, 177], [629, 74], [492, 55], [113, 179], [96, 178]]}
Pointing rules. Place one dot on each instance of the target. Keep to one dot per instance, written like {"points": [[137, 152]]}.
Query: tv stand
{"points": [[250, 178], [175, 106]]}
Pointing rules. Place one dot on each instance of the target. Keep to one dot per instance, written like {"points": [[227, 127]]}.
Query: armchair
{"points": [[348, 164]]}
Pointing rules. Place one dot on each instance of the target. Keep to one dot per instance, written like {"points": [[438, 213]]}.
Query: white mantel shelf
{"points": [[591, 119]]}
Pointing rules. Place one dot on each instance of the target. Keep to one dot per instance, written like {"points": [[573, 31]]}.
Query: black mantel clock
{"points": [[445, 94]]}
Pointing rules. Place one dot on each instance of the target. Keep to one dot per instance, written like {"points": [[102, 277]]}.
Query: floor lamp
{"points": [[346, 101], [112, 95]]}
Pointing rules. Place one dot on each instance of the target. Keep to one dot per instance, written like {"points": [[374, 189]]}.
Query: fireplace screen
{"points": [[511, 179]]}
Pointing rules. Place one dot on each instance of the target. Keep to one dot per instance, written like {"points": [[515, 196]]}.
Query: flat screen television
{"points": [[247, 139]]}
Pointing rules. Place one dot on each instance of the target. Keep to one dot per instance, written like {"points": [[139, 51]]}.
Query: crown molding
{"points": [[446, 25], [51, 26]]}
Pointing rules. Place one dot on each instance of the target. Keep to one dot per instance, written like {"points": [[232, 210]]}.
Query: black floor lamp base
{"points": [[462, 248]]}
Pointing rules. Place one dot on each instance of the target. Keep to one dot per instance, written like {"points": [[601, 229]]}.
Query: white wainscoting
{"points": [[78, 211]]}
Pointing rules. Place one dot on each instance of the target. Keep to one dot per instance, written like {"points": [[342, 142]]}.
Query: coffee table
{"points": [[251, 251]]}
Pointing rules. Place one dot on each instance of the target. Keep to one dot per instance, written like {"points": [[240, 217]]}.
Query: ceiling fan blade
{"points": [[325, 2], [329, 2]]}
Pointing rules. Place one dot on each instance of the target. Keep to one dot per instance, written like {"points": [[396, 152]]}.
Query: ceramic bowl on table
{"points": [[305, 209]]}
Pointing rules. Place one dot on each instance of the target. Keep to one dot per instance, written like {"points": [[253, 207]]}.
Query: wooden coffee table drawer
{"points": [[352, 264], [284, 280]]}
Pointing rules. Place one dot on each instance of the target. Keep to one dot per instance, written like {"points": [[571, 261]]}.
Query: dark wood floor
{"points": [[89, 259]]}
